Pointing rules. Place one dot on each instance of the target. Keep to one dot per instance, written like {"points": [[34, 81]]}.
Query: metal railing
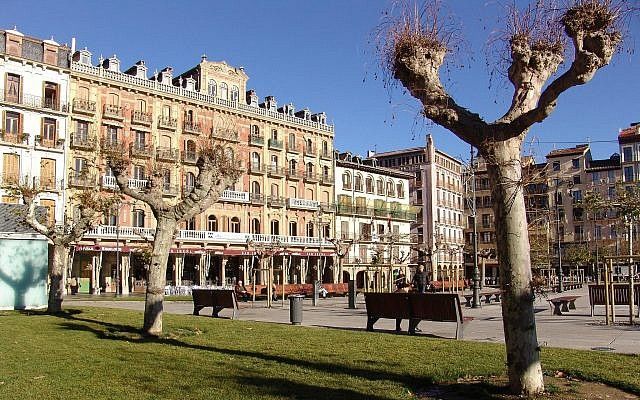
{"points": [[141, 117], [234, 196], [141, 149], [167, 154], [32, 101], [84, 106], [192, 127], [86, 141], [167, 122], [112, 111], [303, 204], [275, 144], [14, 137], [189, 156], [256, 140]]}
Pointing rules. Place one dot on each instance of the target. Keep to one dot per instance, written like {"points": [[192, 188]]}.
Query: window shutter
{"points": [[56, 134]]}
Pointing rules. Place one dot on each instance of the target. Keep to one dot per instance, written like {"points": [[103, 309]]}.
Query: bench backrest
{"points": [[620, 294], [443, 307], [214, 297], [202, 297], [388, 305]]}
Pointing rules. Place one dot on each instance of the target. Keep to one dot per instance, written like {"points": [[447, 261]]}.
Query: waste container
{"points": [[295, 308]]}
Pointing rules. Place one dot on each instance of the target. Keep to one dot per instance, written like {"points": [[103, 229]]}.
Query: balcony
{"points": [[189, 156], [326, 155], [256, 168], [303, 204], [293, 174], [14, 137], [83, 141], [141, 118], [47, 183], [292, 148], [82, 180], [27, 100], [10, 179], [311, 177], [170, 190], [110, 145], [83, 106], [109, 182], [243, 238], [309, 151], [345, 208], [276, 201], [256, 140], [167, 123], [276, 171], [256, 198], [112, 111], [167, 154], [191, 127], [233, 196], [327, 207], [123, 232], [141, 150], [275, 144], [326, 179], [225, 134], [49, 143], [139, 184]]}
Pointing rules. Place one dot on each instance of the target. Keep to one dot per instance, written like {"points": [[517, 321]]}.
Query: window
{"points": [[255, 160], [48, 173], [50, 206], [212, 223], [80, 167], [189, 182], [611, 175], [111, 219], [579, 233], [556, 165], [400, 190], [275, 190], [138, 172], [224, 91], [275, 227], [310, 229], [12, 122], [255, 187], [358, 183], [344, 229], [292, 141], [13, 91], [309, 146], [577, 195], [390, 191], [293, 166], [325, 148], [166, 111], [140, 140], [310, 171], [113, 99], [50, 95], [575, 163], [190, 224], [10, 168], [274, 134], [138, 218], [628, 174], [48, 138], [325, 172], [112, 136], [576, 179], [627, 154], [255, 130], [255, 226], [380, 187], [213, 88], [346, 181], [369, 184], [595, 177], [293, 228], [274, 161], [235, 225], [82, 133], [235, 93]]}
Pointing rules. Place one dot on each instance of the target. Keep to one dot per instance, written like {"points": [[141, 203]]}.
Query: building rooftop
{"points": [[577, 150], [12, 219]]}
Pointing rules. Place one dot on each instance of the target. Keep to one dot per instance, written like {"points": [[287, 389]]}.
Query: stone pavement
{"points": [[576, 329]]}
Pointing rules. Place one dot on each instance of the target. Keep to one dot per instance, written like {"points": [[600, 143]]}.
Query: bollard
{"points": [[295, 308], [352, 294], [316, 287]]}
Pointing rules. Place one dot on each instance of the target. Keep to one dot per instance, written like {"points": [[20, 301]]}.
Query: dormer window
{"points": [[113, 64], [289, 109], [190, 84], [85, 57], [252, 97], [166, 75], [270, 103]]}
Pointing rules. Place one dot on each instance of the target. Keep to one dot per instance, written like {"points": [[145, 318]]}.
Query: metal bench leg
{"points": [[370, 322], [592, 307], [572, 305], [216, 311], [196, 310], [398, 323], [556, 309], [413, 324], [459, 331], [565, 306]]}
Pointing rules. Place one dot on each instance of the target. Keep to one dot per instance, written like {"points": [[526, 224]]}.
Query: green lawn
{"points": [[98, 354]]}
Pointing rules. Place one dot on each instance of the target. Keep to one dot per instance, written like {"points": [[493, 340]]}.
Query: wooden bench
{"points": [[620, 295], [563, 304], [216, 298], [416, 307]]}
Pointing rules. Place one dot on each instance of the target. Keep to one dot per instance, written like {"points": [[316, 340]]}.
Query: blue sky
{"points": [[318, 54]]}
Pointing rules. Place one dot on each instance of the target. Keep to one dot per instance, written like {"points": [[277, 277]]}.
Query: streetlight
{"points": [[559, 182], [471, 205]]}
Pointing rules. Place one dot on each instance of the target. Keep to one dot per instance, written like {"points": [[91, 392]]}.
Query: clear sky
{"points": [[318, 54]]}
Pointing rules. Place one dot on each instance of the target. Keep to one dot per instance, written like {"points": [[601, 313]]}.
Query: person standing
{"points": [[419, 281]]}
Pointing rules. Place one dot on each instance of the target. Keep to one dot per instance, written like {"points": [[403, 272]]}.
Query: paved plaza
{"points": [[576, 329]]}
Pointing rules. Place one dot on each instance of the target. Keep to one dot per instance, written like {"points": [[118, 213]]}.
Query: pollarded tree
{"points": [[414, 47], [217, 170], [89, 205]]}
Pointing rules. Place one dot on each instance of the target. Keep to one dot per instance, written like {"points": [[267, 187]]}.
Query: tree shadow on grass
{"points": [[131, 334]]}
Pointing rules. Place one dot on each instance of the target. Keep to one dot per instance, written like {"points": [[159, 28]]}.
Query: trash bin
{"points": [[295, 308]]}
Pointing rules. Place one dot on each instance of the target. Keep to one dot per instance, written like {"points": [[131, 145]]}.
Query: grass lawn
{"points": [[98, 354]]}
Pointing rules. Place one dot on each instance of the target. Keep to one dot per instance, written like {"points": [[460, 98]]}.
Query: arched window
{"points": [[293, 166], [224, 91], [235, 225], [293, 192], [138, 218], [275, 190], [189, 182], [346, 180], [213, 88], [369, 184], [293, 228], [274, 161], [255, 226], [255, 130], [255, 160], [309, 147], [255, 187], [310, 229], [188, 116], [380, 187], [309, 194], [110, 218], [325, 172], [212, 223], [358, 183], [292, 142], [235, 93], [326, 231], [275, 227], [325, 148], [310, 169], [390, 191], [400, 190], [190, 146]]}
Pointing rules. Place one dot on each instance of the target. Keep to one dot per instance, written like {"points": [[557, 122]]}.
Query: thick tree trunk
{"points": [[156, 278], [523, 356], [56, 288]]}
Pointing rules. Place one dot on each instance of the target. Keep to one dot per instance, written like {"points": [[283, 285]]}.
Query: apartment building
{"points": [[34, 107], [436, 188], [374, 214]]}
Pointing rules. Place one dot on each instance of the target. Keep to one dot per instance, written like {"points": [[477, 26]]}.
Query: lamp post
{"points": [[559, 182], [471, 205]]}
